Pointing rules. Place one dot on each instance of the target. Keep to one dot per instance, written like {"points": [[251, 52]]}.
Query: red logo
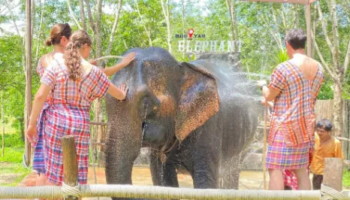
{"points": [[190, 33]]}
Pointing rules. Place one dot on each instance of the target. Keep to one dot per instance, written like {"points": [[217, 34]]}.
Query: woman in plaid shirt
{"points": [[293, 88], [74, 84], [59, 38]]}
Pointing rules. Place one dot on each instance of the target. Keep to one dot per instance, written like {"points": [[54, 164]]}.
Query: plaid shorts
{"points": [[281, 156]]}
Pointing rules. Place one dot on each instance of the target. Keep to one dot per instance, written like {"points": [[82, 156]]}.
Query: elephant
{"points": [[197, 115]]}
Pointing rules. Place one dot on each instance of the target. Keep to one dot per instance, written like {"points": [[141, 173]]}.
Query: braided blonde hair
{"points": [[71, 55]]}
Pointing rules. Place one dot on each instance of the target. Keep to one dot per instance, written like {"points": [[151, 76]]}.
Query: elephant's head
{"points": [[165, 97]]}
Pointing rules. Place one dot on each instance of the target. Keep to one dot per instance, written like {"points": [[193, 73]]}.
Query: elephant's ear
{"points": [[199, 99]]}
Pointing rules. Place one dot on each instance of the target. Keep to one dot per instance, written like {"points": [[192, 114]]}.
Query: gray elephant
{"points": [[197, 115]]}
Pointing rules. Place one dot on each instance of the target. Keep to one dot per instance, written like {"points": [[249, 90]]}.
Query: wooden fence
{"points": [[324, 109]]}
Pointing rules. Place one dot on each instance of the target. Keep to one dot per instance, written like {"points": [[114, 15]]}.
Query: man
{"points": [[293, 88]]}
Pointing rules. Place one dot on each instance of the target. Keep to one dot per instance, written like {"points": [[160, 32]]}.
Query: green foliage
{"points": [[12, 155], [282, 56], [14, 140], [14, 148], [346, 178]]}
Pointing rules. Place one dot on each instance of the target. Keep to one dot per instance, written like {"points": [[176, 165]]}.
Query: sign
{"points": [[205, 46], [210, 46]]}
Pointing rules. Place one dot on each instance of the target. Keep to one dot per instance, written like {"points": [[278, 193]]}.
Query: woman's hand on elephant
{"points": [[128, 59], [261, 83], [124, 89]]}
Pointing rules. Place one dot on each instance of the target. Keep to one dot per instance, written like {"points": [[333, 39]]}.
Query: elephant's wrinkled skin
{"points": [[168, 100]]}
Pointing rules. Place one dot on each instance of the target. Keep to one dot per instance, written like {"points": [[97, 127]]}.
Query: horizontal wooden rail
{"points": [[99, 123], [98, 143], [154, 192]]}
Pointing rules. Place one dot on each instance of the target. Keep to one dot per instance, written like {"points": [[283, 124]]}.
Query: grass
{"points": [[11, 168], [346, 178], [11, 174]]}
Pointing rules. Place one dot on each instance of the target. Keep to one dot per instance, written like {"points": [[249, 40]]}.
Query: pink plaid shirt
{"points": [[293, 111], [81, 92]]}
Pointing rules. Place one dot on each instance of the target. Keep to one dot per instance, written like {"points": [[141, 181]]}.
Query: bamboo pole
{"points": [[284, 1], [28, 75], [3, 124], [157, 192], [108, 57], [308, 28], [264, 148]]}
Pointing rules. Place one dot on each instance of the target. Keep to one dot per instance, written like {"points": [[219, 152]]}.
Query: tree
{"points": [[232, 11], [338, 63], [165, 8]]}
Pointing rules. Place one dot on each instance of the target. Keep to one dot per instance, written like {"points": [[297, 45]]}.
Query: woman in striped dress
{"points": [[293, 88], [74, 84], [59, 38]]}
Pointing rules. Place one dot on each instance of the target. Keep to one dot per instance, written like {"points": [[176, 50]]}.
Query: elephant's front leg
{"points": [[205, 156], [163, 174]]}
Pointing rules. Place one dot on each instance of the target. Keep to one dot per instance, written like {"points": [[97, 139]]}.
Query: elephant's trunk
{"points": [[124, 140], [127, 120]]}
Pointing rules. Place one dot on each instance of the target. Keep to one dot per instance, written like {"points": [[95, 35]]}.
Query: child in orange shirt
{"points": [[326, 146]]}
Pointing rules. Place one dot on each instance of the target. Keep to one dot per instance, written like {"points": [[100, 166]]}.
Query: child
{"points": [[326, 146]]}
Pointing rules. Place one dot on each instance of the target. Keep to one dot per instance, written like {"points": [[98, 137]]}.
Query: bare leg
{"points": [[276, 179], [40, 180], [303, 179]]}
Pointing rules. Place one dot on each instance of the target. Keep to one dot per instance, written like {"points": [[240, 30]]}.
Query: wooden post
{"points": [[70, 163], [308, 28], [3, 124], [333, 173], [28, 75]]}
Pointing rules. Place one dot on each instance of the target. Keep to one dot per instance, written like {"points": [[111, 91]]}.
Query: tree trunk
{"points": [[338, 110], [98, 103], [114, 28], [96, 27], [147, 30], [41, 5], [165, 8], [72, 14], [231, 8], [183, 27], [82, 14]]}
